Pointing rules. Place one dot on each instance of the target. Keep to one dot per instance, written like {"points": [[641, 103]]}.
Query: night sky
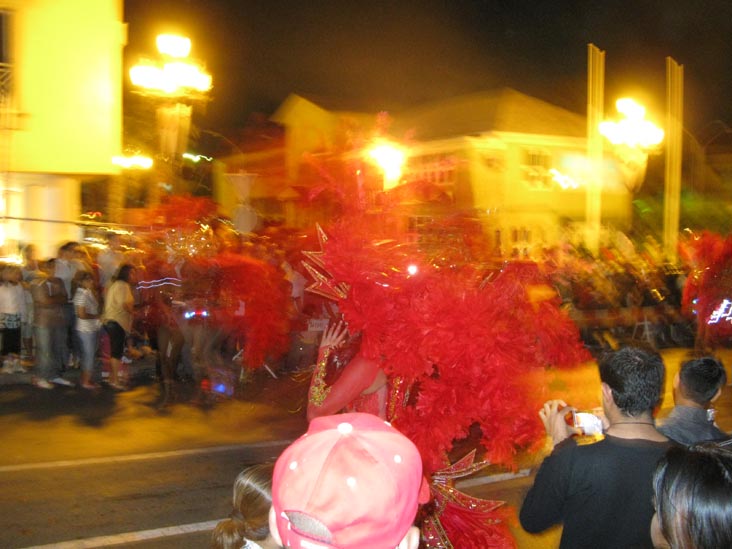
{"points": [[377, 55]]}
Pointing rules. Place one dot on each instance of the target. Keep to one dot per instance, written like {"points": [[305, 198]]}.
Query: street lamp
{"points": [[633, 130], [391, 159], [169, 75], [176, 82], [633, 138]]}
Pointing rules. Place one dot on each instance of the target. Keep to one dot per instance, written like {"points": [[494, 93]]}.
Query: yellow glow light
{"points": [[173, 45], [171, 78], [412, 269], [133, 162], [186, 75], [13, 259], [630, 108], [633, 130], [563, 180], [197, 157], [390, 159]]}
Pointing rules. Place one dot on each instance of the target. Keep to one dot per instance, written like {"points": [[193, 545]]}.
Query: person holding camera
{"points": [[601, 491]]}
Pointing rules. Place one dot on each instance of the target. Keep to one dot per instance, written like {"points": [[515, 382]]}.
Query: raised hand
{"points": [[334, 335], [552, 416]]}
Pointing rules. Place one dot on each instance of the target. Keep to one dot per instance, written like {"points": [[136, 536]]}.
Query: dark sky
{"points": [[382, 55]]}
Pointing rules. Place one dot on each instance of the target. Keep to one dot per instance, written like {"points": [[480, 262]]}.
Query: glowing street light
{"points": [[133, 162], [172, 76], [390, 158], [633, 138], [176, 84], [173, 45], [633, 130]]}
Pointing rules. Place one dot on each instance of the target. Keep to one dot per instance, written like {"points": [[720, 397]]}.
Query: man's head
{"points": [[700, 380], [634, 379], [48, 266], [351, 481], [67, 250]]}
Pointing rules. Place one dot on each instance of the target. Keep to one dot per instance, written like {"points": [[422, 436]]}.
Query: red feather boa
{"points": [[469, 348]]}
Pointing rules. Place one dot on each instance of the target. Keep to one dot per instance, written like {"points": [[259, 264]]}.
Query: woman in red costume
{"points": [[360, 385], [444, 354]]}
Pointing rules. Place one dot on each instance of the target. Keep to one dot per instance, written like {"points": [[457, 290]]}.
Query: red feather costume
{"points": [[458, 352]]}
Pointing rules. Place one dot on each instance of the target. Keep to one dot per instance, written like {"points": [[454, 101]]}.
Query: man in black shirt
{"points": [[601, 491]]}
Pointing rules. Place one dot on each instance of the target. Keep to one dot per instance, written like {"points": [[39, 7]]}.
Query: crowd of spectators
{"points": [[354, 481], [98, 306], [648, 290]]}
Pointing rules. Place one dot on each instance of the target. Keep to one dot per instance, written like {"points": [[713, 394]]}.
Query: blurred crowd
{"points": [[101, 305], [49, 307]]}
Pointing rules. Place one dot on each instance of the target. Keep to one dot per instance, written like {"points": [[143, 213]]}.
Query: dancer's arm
{"points": [[359, 375]]}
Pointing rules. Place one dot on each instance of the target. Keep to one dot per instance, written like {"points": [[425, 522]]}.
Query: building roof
{"points": [[500, 110], [504, 110]]}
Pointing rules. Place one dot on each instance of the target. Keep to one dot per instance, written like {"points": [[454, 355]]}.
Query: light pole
{"points": [[633, 138], [176, 83], [391, 159]]}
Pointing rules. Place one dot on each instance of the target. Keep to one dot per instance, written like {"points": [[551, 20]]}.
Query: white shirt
{"points": [[65, 270], [12, 300], [85, 298]]}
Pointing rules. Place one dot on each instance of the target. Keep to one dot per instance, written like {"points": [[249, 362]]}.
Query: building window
{"points": [[536, 166], [439, 169]]}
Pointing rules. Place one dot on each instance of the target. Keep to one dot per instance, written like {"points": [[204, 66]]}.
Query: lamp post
{"points": [[633, 138], [176, 83], [391, 159]]}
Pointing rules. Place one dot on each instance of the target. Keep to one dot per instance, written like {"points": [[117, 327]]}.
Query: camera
{"points": [[587, 422]]}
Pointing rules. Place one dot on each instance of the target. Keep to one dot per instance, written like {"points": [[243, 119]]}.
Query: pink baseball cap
{"points": [[351, 481]]}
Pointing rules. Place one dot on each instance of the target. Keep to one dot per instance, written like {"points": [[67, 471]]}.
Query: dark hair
{"points": [[251, 500], [68, 246], [701, 378], [693, 496], [81, 276], [635, 377], [227, 534], [123, 273]]}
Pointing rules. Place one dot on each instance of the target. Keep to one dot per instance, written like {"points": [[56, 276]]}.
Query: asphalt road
{"points": [[81, 469], [108, 497]]}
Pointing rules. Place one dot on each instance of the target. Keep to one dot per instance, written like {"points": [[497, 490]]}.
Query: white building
{"points": [[519, 163], [60, 113]]}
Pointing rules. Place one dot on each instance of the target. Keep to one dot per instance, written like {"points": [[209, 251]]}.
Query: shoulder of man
{"points": [[574, 443]]}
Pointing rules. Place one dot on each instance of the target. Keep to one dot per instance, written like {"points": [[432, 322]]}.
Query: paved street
{"points": [[108, 468]]}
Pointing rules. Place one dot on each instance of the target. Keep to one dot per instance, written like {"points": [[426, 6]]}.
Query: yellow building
{"points": [[518, 162], [60, 112]]}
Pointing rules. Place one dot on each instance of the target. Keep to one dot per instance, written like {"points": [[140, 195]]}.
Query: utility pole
{"points": [[595, 107], [674, 142]]}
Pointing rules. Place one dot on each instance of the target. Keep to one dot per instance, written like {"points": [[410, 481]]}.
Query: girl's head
{"points": [[693, 497], [85, 279], [251, 500]]}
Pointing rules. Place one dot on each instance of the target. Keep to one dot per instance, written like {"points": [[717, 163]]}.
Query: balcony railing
{"points": [[6, 79]]}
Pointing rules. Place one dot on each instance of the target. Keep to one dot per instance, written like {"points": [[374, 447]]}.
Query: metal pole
{"points": [[674, 142], [595, 107]]}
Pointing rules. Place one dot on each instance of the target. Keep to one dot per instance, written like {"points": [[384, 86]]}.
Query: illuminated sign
{"points": [[721, 313]]}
